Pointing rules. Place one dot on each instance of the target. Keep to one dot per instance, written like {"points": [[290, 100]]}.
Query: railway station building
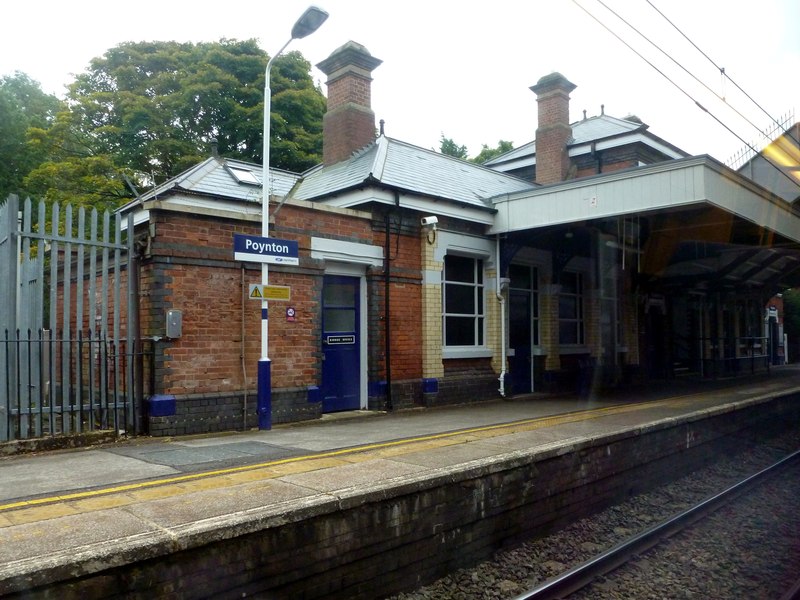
{"points": [[598, 255]]}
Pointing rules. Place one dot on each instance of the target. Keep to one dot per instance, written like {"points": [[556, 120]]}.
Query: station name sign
{"points": [[251, 248]]}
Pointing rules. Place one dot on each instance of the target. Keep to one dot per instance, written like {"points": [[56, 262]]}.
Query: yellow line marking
{"points": [[524, 424]]}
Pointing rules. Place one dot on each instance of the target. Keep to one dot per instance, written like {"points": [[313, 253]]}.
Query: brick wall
{"points": [[553, 133], [212, 366], [387, 539], [465, 381], [349, 123], [431, 347]]}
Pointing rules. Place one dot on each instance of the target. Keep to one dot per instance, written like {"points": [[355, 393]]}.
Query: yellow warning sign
{"points": [[270, 292]]}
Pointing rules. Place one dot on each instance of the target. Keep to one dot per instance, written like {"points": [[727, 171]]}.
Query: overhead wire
{"points": [[687, 71], [724, 73], [674, 83]]}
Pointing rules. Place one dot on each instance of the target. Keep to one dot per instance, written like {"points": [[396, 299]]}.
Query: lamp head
{"points": [[308, 22]]}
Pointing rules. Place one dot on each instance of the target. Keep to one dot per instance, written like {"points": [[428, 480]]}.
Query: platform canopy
{"points": [[687, 223]]}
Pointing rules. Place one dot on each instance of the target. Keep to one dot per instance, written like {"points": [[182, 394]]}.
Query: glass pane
{"points": [[568, 332], [338, 294], [339, 319], [459, 331], [569, 283], [520, 276], [567, 307], [519, 320], [459, 299], [459, 268]]}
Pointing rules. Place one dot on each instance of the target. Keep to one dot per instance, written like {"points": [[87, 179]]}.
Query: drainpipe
{"points": [[386, 318], [502, 301]]}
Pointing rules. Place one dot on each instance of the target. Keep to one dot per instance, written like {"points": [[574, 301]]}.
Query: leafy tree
{"points": [[23, 105], [486, 154], [154, 106], [450, 148], [93, 182], [297, 109], [71, 171]]}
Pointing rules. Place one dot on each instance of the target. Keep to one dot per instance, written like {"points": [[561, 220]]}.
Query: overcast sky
{"points": [[463, 69]]}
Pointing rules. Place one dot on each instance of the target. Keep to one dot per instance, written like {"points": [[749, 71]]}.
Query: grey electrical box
{"points": [[174, 323]]}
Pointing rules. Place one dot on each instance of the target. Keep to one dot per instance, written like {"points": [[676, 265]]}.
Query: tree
{"points": [[23, 105], [92, 182], [448, 147], [154, 106], [486, 154]]}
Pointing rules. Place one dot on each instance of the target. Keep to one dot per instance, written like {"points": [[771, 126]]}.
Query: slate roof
{"points": [[215, 178], [592, 129], [397, 164]]}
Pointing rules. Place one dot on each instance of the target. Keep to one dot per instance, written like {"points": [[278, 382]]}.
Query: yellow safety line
{"points": [[562, 418]]}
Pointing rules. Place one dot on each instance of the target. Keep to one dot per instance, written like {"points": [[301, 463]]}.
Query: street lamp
{"points": [[307, 24]]}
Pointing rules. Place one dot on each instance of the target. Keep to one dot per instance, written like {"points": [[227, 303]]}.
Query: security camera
{"points": [[429, 221]]}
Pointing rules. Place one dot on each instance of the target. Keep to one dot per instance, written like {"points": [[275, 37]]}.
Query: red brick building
{"points": [[597, 254]]}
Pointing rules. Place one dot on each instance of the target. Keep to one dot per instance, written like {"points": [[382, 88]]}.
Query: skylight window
{"points": [[243, 175]]}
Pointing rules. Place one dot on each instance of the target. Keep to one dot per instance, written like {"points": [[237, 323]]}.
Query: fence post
{"points": [[9, 274], [136, 391]]}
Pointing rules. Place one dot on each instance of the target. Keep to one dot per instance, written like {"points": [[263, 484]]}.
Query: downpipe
{"points": [[502, 300]]}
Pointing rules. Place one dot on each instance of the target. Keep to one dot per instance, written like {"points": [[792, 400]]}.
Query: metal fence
{"points": [[70, 358]]}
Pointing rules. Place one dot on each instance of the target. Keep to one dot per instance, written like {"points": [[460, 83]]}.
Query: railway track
{"points": [[749, 548], [586, 574]]}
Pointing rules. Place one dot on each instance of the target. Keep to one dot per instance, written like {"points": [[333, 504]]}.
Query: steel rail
{"points": [[582, 575]]}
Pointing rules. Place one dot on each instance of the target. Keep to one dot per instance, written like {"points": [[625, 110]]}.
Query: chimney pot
{"points": [[553, 133], [349, 123]]}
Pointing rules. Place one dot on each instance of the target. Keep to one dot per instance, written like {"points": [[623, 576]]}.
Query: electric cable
{"points": [[725, 74], [687, 71], [683, 91]]}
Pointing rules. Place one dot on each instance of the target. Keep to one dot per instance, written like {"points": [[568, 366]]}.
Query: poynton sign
{"points": [[251, 248]]}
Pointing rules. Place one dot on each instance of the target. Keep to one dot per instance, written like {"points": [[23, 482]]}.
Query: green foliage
{"points": [[92, 181], [486, 154], [23, 105], [148, 111], [448, 147], [296, 115], [154, 106]]}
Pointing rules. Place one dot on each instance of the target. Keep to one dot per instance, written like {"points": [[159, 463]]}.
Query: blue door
{"points": [[341, 364]]}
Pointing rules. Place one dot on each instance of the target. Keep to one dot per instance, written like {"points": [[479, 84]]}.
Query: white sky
{"points": [[463, 69]]}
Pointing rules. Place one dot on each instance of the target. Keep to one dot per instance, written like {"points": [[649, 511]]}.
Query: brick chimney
{"points": [[553, 133], [349, 123]]}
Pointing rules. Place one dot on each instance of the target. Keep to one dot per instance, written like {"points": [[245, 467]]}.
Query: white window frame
{"points": [[580, 319], [476, 350]]}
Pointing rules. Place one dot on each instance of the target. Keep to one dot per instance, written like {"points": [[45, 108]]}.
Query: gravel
{"points": [[749, 549]]}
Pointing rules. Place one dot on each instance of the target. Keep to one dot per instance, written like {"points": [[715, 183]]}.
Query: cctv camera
{"points": [[429, 221]]}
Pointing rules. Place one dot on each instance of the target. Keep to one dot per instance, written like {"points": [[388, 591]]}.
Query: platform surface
{"points": [[58, 505]]}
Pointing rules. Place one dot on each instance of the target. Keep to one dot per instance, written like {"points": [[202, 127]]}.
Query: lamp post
{"points": [[307, 24]]}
